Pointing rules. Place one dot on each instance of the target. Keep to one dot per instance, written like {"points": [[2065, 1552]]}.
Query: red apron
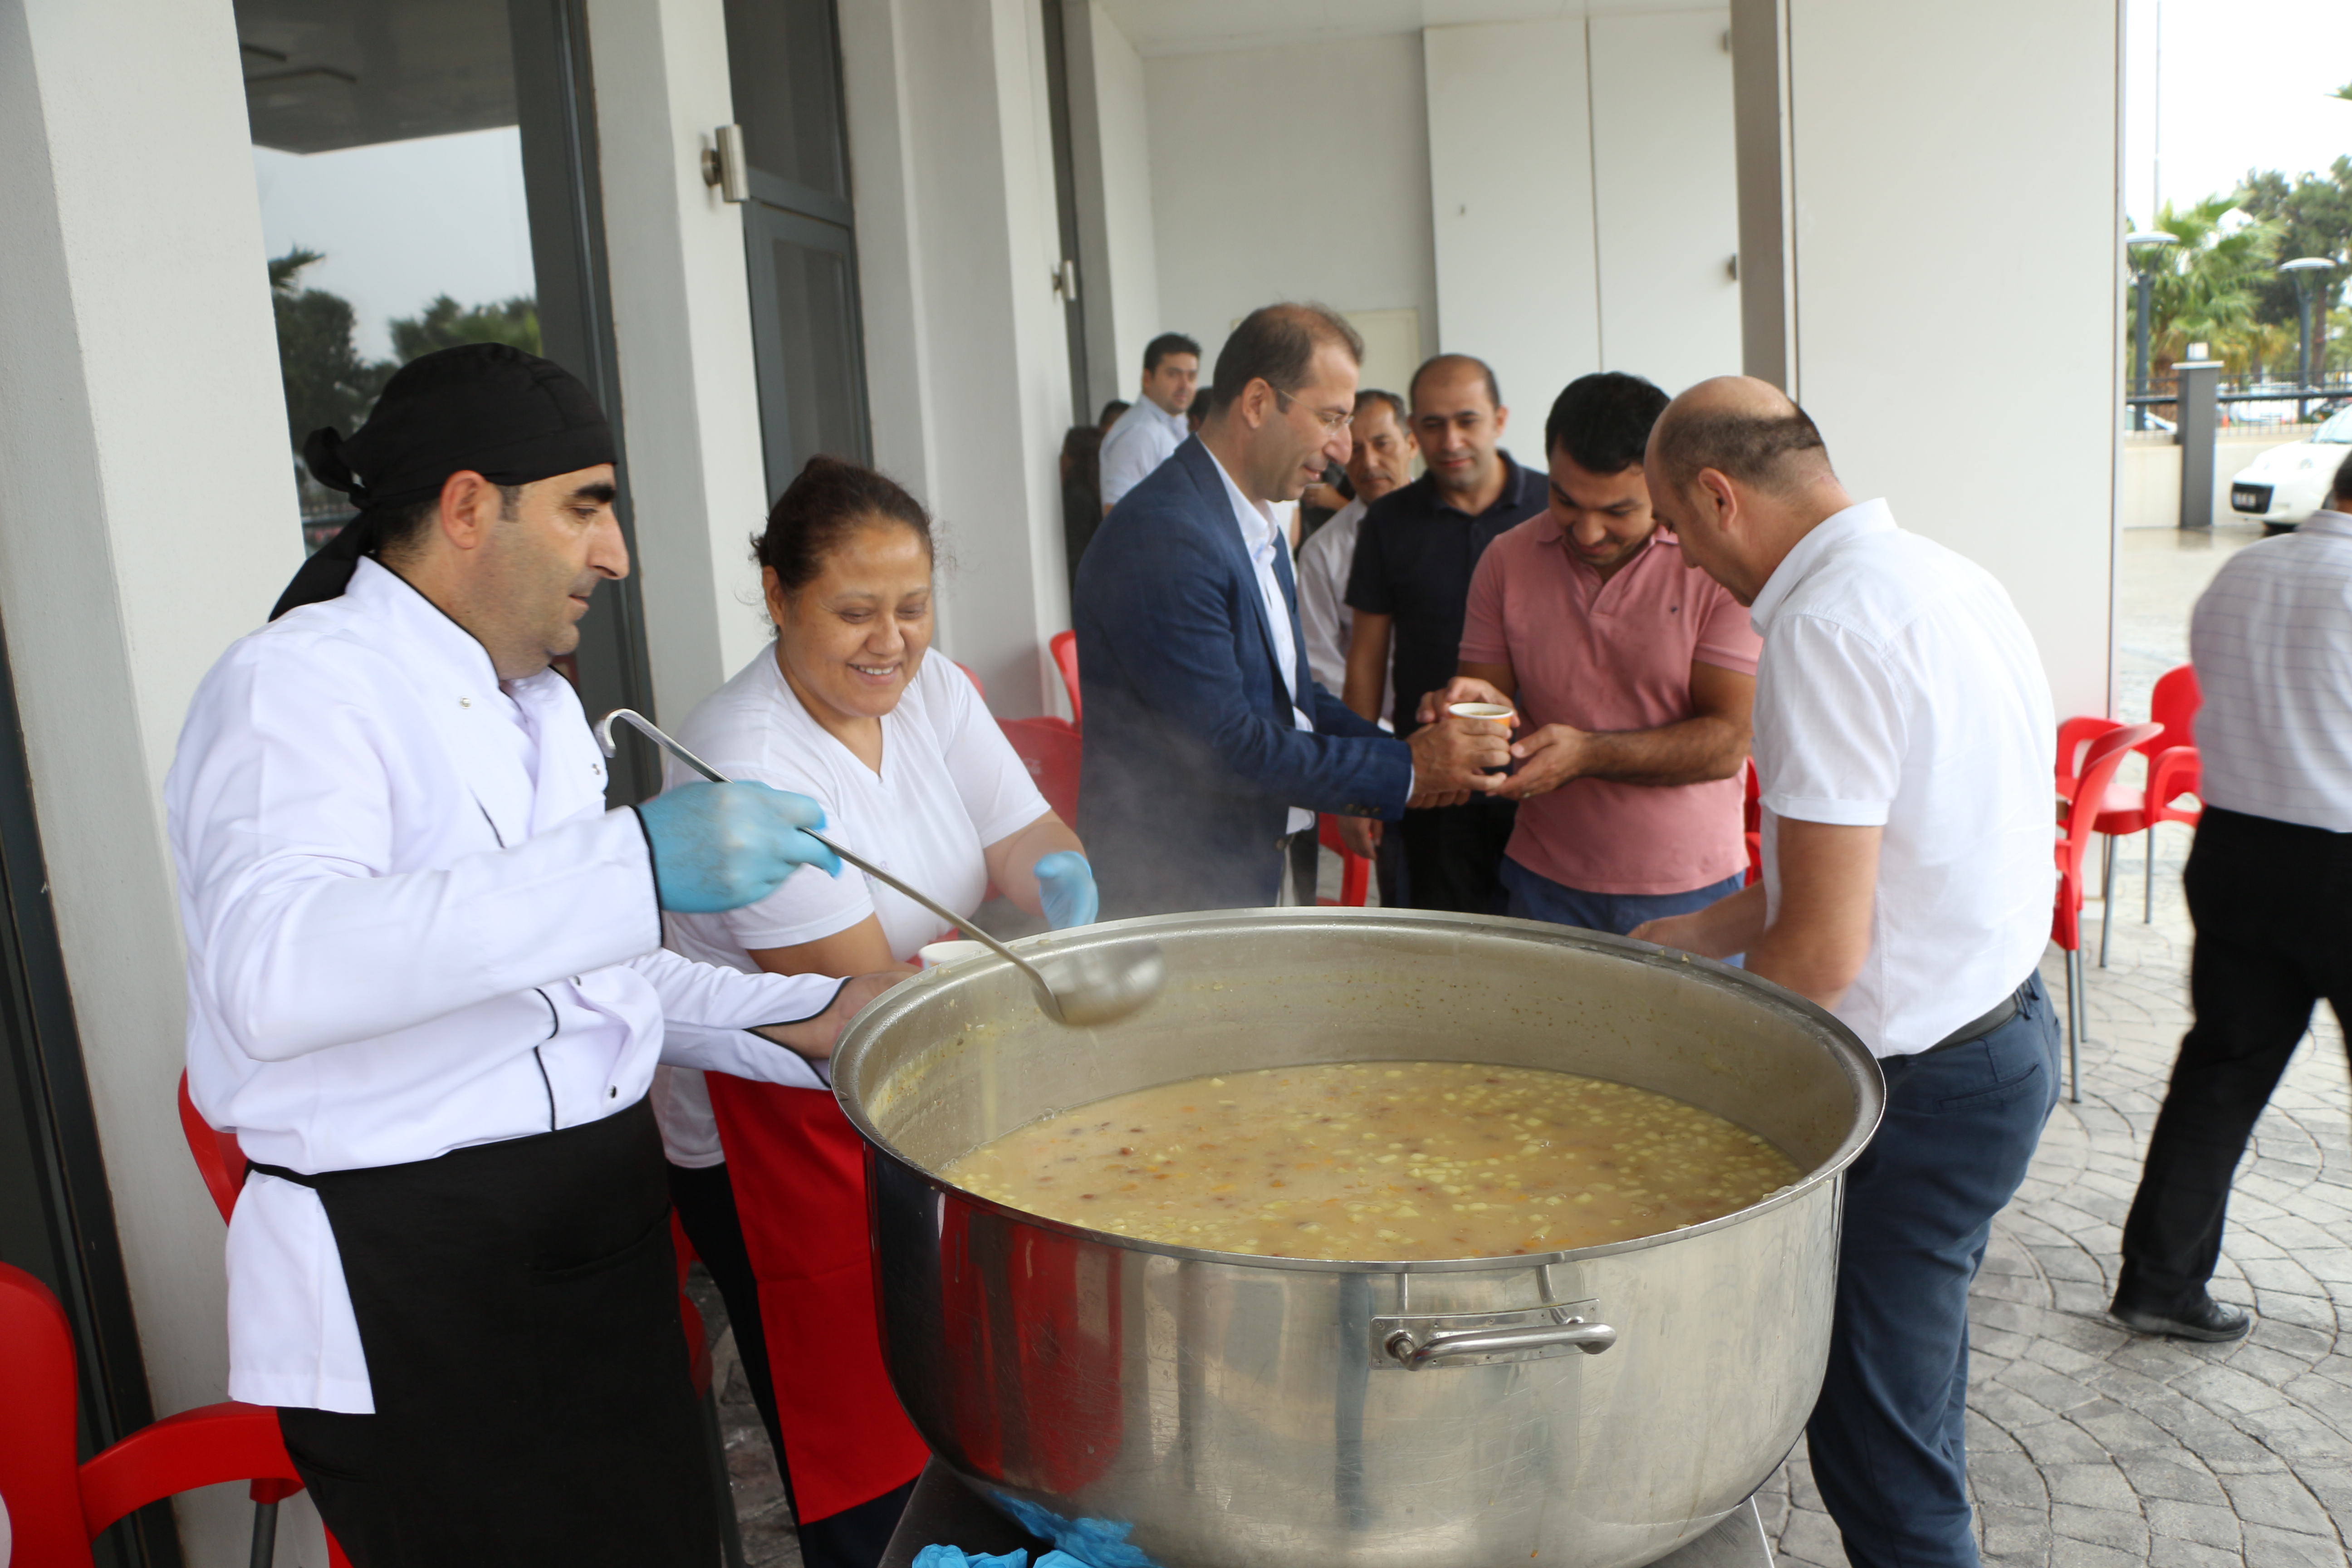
{"points": [[799, 1173]]}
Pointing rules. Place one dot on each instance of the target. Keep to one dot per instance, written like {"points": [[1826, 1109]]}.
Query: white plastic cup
{"points": [[930, 955], [1494, 711]]}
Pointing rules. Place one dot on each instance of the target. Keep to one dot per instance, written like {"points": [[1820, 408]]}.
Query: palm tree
{"points": [[2205, 283]]}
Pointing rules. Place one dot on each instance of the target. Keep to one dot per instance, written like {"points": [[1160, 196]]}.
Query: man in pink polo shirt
{"points": [[1631, 674]]}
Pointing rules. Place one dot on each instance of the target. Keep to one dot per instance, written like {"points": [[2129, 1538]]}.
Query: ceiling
{"points": [[1209, 27], [322, 74]]}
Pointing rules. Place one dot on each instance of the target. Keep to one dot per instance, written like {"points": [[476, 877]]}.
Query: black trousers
{"points": [[2272, 902], [1454, 856], [855, 1536]]}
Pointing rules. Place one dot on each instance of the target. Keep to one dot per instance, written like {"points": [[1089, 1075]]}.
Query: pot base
{"points": [[945, 1510]]}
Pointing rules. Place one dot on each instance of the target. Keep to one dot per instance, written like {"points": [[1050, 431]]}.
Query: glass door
{"points": [[784, 57]]}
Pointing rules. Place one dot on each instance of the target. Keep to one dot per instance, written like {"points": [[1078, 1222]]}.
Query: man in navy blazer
{"points": [[1208, 742]]}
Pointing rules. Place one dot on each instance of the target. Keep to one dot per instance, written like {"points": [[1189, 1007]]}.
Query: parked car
{"points": [[2287, 484]]}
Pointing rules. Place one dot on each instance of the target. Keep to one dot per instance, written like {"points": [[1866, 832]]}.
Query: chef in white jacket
{"points": [[427, 991]]}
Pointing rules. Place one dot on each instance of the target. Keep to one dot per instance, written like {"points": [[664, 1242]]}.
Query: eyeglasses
{"points": [[1331, 421]]}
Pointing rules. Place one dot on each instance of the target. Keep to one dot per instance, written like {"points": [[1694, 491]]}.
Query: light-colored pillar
{"points": [[967, 357], [690, 414], [1905, 127], [147, 518]]}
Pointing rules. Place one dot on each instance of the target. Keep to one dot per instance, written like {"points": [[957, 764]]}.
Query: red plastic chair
{"points": [[2101, 755], [1354, 872], [1751, 817], [2127, 809], [1050, 749], [968, 675], [56, 1507], [1065, 646]]}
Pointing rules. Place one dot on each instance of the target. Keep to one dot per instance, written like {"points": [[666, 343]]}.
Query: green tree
{"points": [[2206, 283], [445, 323], [2314, 217], [327, 382]]}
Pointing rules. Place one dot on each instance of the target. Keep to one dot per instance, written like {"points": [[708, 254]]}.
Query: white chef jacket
{"points": [[2271, 641], [1138, 441], [1899, 688], [411, 926], [1261, 536], [951, 785]]}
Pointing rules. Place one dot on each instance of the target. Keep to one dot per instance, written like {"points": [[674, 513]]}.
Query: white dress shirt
{"points": [[1139, 440], [411, 926], [1261, 536], [2271, 643], [1899, 689], [949, 786], [1323, 613]]}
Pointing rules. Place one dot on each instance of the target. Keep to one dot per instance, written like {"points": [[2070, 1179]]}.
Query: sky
{"points": [[2243, 84], [404, 221]]}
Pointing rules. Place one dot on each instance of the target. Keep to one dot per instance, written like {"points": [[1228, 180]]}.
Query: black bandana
{"points": [[508, 416]]}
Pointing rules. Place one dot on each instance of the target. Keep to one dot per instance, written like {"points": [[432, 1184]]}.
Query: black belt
{"points": [[1993, 1017]]}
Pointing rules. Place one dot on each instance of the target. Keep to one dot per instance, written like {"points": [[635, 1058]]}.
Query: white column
{"points": [[966, 363], [690, 414], [147, 518], [1908, 126], [1111, 135]]}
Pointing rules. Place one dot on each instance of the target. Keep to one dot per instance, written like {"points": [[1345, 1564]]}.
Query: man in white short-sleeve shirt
{"points": [[1154, 425], [1904, 742]]}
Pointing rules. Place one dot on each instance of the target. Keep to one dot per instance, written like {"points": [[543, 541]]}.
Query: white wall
{"points": [[967, 357], [145, 499], [1905, 117], [682, 329], [1665, 195], [1290, 174], [1584, 200], [1510, 172]]}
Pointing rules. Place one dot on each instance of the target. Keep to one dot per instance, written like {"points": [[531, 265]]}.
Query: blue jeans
{"points": [[1887, 1434], [1539, 897]]}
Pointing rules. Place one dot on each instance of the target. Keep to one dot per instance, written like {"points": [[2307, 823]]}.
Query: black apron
{"points": [[518, 1305]]}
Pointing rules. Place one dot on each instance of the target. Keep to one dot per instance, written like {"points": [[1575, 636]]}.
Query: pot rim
{"points": [[1861, 1069]]}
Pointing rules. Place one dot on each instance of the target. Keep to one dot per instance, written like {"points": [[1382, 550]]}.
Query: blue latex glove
{"points": [[957, 1557], [1066, 886], [722, 845]]}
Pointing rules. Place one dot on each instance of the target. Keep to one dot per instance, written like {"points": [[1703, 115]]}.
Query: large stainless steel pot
{"points": [[1594, 1408]]}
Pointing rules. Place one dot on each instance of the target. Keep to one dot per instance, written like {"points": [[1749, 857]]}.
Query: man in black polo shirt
{"points": [[1408, 588]]}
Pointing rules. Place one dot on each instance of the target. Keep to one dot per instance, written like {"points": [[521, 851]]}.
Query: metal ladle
{"points": [[1085, 989]]}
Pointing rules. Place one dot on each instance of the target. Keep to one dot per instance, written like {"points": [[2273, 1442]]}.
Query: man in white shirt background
{"points": [[1154, 425], [1378, 459], [2270, 891], [1903, 740], [427, 993]]}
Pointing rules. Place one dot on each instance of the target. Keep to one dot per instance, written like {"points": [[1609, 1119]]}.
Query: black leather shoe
{"points": [[2208, 1320]]}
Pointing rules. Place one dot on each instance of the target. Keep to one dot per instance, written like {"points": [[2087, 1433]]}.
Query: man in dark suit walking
{"points": [[1208, 743]]}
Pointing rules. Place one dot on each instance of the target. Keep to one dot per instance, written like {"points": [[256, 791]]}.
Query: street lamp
{"points": [[2142, 244], [2306, 270]]}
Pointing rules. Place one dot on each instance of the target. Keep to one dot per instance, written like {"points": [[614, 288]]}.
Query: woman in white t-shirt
{"points": [[850, 708]]}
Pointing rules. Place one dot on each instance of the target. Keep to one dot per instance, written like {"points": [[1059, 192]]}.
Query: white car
{"points": [[2287, 484]]}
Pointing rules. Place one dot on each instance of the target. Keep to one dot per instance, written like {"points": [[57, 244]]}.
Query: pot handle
{"points": [[1415, 1351]]}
